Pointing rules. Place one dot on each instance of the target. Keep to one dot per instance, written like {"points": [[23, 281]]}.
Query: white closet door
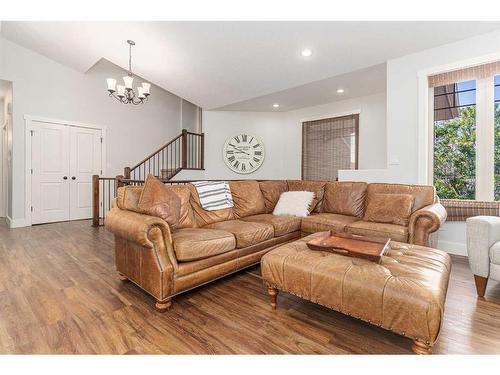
{"points": [[50, 173], [85, 160]]}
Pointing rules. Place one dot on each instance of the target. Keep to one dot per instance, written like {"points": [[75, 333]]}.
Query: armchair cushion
{"points": [[389, 208], [325, 221]]}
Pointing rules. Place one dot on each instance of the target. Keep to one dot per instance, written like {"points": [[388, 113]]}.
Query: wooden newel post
{"points": [[202, 151], [126, 173], [119, 181], [95, 200], [184, 148]]}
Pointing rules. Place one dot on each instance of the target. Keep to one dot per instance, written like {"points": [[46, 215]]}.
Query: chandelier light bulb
{"points": [[120, 90], [111, 84], [146, 87], [128, 82], [140, 90]]}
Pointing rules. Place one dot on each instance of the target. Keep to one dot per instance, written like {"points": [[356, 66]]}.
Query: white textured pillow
{"points": [[294, 203]]}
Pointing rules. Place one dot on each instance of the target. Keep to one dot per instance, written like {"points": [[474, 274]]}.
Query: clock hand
{"points": [[239, 150]]}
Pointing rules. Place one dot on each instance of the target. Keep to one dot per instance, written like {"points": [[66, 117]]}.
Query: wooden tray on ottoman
{"points": [[370, 248]]}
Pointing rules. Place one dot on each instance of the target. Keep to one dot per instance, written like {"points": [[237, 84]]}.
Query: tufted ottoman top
{"points": [[404, 293]]}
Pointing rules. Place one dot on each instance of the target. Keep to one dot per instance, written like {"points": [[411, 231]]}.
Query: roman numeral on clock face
{"points": [[256, 160], [258, 152], [257, 145], [237, 139], [244, 137], [230, 152], [243, 167], [236, 163], [231, 158]]}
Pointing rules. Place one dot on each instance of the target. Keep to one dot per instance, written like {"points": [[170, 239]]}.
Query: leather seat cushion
{"points": [[246, 233], [495, 253], [199, 243], [323, 222], [247, 198], [282, 224], [368, 228], [404, 293]]}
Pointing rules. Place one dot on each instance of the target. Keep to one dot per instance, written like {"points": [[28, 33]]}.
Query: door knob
{"points": [[65, 177], [73, 178]]}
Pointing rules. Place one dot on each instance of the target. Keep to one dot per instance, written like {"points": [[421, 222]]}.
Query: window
{"points": [[329, 145], [497, 137], [466, 122], [455, 140]]}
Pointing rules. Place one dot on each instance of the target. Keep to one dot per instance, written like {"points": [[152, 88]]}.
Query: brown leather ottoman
{"points": [[404, 293]]}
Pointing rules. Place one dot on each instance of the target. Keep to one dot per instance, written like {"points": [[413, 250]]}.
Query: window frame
{"points": [[485, 139]]}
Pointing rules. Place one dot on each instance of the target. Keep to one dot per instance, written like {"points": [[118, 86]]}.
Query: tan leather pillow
{"points": [[389, 208], [247, 198], [158, 200]]}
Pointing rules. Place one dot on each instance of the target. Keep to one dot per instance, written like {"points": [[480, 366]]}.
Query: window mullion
{"points": [[485, 140]]}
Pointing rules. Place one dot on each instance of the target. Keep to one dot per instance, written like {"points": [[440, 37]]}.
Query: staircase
{"points": [[184, 152]]}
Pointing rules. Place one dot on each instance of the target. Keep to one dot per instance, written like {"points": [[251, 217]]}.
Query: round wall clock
{"points": [[243, 153]]}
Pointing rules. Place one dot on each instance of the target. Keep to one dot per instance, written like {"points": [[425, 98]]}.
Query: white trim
{"points": [[28, 120], [326, 116], [456, 248], [15, 223], [423, 110]]}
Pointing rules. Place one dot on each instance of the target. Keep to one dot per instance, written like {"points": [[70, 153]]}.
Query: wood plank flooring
{"points": [[59, 293]]}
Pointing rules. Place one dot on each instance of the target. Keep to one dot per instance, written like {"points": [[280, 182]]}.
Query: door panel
{"points": [[85, 161], [50, 164]]}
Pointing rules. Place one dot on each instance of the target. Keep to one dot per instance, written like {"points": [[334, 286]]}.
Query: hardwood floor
{"points": [[60, 293]]}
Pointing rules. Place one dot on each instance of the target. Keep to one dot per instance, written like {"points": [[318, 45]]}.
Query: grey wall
{"points": [[45, 88]]}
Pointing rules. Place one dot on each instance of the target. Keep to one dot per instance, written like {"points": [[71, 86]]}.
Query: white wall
{"points": [[7, 157], [46, 88], [2, 116], [281, 133]]}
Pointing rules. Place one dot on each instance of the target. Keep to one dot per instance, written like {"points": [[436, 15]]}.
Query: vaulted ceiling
{"points": [[244, 65]]}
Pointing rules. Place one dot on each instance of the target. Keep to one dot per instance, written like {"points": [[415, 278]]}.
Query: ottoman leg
{"points": [[420, 347], [273, 294], [162, 306]]}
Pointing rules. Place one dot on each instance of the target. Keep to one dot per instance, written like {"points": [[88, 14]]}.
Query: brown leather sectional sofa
{"points": [[207, 245]]}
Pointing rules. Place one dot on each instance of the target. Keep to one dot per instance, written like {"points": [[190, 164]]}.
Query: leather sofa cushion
{"points": [[127, 197], [271, 191], [424, 195], [247, 198], [317, 187], [389, 208], [325, 221], [368, 228], [157, 200], [345, 198], [186, 216], [204, 217], [246, 233], [281, 224], [199, 243]]}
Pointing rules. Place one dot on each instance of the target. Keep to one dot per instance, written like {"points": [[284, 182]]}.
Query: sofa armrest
{"points": [[482, 233], [143, 230], [425, 221]]}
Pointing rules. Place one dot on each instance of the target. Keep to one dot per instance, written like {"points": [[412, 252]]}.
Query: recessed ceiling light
{"points": [[306, 52], [276, 105], [340, 91]]}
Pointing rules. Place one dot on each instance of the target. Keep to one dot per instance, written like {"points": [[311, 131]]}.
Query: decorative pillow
{"points": [[247, 198], [317, 187], [389, 208], [294, 203], [272, 190], [158, 200]]}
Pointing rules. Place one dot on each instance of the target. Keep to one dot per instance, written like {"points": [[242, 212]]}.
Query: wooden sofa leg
{"points": [[273, 294], [162, 306], [420, 347], [481, 283], [122, 277]]}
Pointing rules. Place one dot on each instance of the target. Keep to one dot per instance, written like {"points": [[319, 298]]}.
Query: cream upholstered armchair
{"points": [[483, 248]]}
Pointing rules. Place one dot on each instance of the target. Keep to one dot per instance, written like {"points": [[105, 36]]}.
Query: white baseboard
{"points": [[456, 248], [15, 223]]}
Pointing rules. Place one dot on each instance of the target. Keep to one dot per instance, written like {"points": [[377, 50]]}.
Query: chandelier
{"points": [[125, 93]]}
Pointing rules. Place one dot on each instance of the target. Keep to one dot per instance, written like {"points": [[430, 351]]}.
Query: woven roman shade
{"points": [[473, 72], [461, 209], [329, 145]]}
